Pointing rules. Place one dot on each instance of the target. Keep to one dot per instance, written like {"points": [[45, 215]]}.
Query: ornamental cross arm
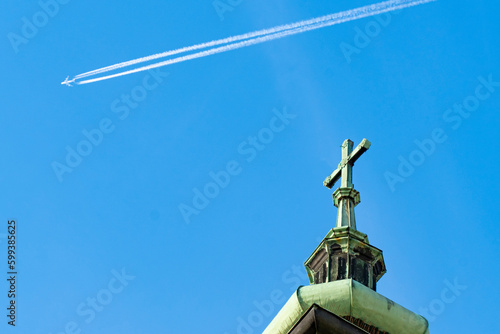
{"points": [[332, 178]]}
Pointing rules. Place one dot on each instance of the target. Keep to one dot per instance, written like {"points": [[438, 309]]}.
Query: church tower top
{"points": [[343, 271], [345, 252]]}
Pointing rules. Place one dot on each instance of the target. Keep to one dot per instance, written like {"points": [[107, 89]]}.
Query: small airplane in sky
{"points": [[67, 82]]}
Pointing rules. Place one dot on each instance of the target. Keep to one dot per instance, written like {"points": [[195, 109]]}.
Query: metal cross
{"points": [[344, 169]]}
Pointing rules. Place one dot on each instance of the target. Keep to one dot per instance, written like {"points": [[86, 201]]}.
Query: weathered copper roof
{"points": [[352, 301]]}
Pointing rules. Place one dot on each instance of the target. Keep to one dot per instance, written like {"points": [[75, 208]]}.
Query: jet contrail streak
{"points": [[251, 38], [242, 37]]}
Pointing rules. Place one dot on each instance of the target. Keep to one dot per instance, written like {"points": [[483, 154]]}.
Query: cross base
{"points": [[346, 199], [346, 192]]}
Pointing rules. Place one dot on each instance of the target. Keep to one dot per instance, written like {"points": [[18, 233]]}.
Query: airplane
{"points": [[67, 82]]}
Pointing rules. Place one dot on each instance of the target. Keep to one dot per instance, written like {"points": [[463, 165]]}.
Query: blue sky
{"points": [[424, 89]]}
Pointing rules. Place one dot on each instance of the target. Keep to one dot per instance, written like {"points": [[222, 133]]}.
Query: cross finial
{"points": [[345, 197], [344, 169]]}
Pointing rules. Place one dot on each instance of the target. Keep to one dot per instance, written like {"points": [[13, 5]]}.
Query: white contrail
{"points": [[252, 38], [241, 37]]}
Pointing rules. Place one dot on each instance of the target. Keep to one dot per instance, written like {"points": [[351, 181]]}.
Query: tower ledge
{"points": [[352, 301]]}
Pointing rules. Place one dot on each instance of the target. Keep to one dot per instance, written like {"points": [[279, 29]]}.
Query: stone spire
{"points": [[345, 252]]}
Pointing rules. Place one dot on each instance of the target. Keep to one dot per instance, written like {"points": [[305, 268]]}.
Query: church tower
{"points": [[343, 271]]}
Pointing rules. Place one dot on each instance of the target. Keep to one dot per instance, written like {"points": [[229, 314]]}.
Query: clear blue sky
{"points": [[436, 218]]}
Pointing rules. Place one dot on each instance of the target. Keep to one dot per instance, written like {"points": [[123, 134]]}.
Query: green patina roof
{"points": [[349, 299]]}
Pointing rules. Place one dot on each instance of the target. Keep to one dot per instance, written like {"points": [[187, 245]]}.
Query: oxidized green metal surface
{"points": [[353, 301], [344, 168], [345, 197], [346, 253], [345, 268]]}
